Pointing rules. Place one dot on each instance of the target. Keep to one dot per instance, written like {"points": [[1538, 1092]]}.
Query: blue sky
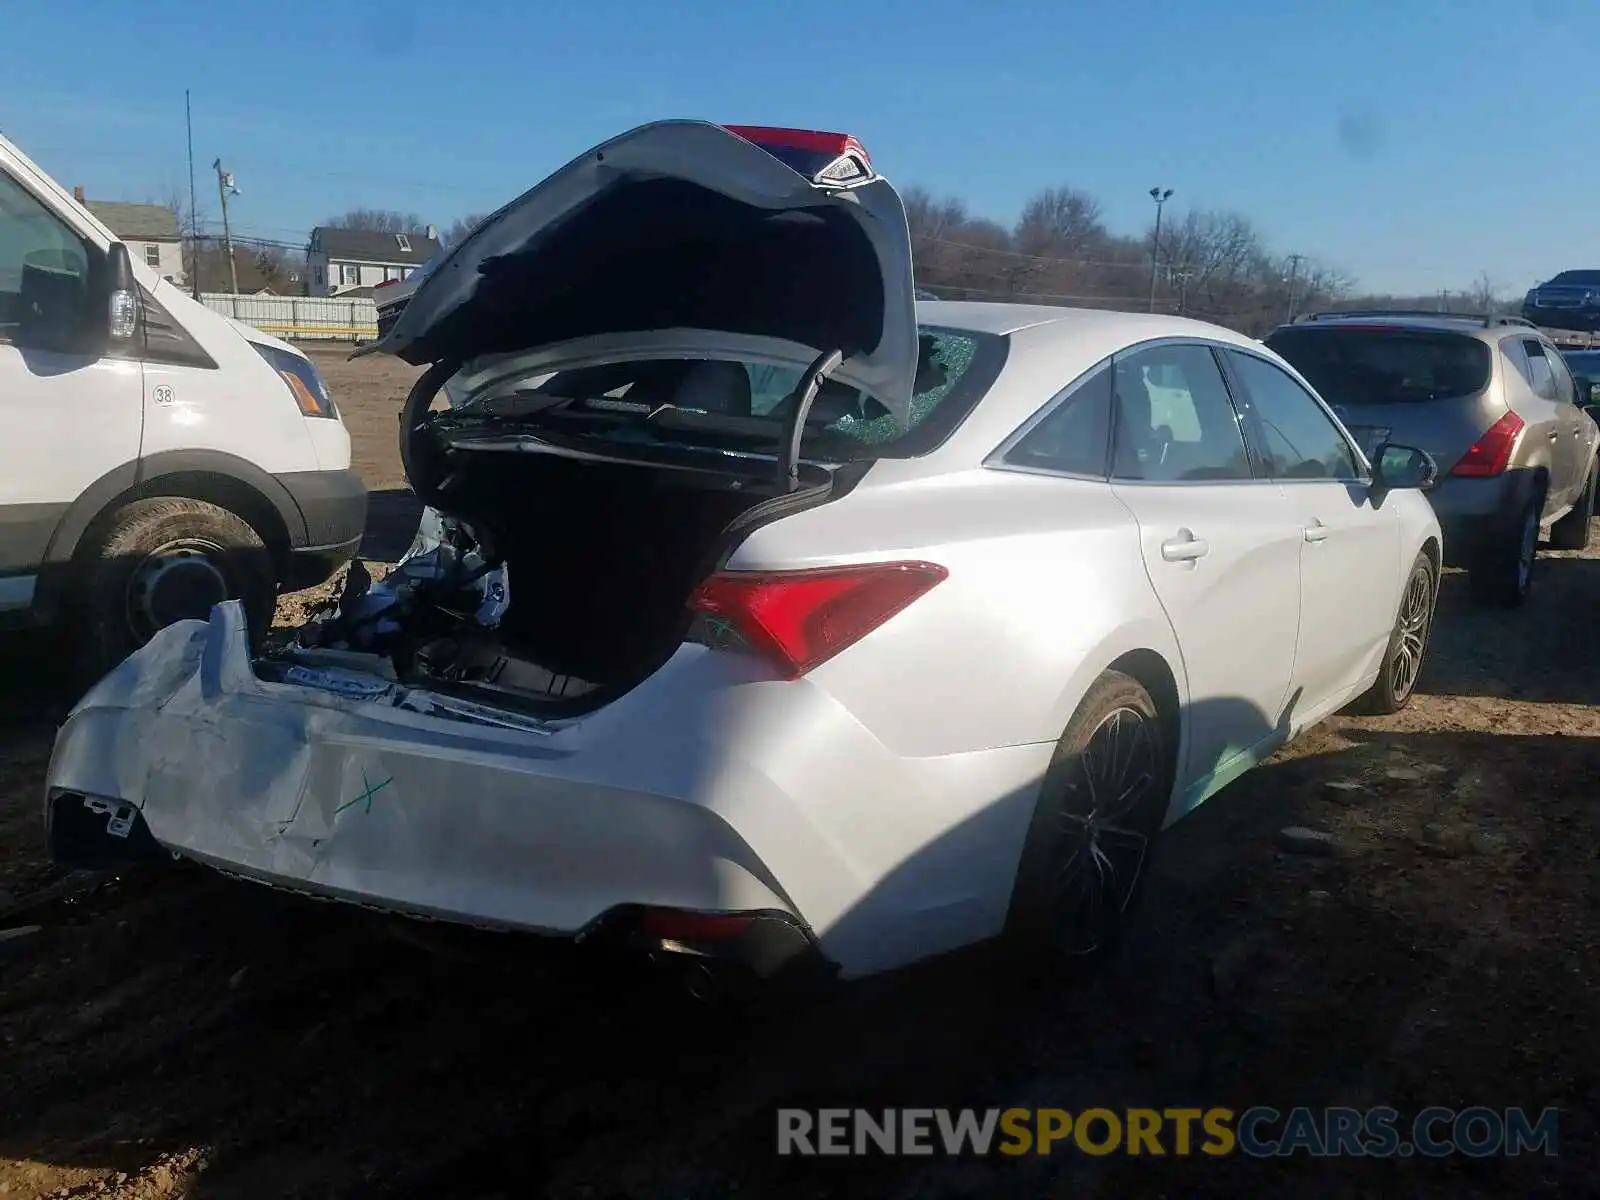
{"points": [[1410, 142]]}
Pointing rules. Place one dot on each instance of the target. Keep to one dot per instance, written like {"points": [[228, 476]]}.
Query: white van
{"points": [[156, 457]]}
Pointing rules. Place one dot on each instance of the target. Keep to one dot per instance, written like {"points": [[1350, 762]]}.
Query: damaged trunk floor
{"points": [[171, 1033]]}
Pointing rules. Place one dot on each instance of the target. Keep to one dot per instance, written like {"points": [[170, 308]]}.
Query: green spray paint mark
{"points": [[367, 795]]}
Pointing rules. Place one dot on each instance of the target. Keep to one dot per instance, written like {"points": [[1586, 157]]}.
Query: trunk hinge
{"points": [[794, 430], [412, 415]]}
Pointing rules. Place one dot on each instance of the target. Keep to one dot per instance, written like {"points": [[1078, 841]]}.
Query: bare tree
{"points": [[276, 267], [377, 220], [1059, 222], [190, 222], [1483, 296], [461, 228], [1213, 265]]}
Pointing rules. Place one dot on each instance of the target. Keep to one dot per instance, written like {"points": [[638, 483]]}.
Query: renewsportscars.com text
{"points": [[1258, 1132]]}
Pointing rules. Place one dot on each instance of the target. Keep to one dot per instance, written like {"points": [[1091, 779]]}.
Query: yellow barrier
{"points": [[329, 332]]}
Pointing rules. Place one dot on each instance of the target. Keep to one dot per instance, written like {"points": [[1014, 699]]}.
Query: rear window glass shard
{"points": [[1386, 366]]}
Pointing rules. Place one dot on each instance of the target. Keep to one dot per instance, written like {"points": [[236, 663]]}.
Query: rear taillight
{"points": [[679, 925], [824, 158], [1491, 453], [799, 619]]}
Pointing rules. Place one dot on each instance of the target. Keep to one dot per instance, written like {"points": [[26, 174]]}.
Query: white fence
{"points": [[300, 318]]}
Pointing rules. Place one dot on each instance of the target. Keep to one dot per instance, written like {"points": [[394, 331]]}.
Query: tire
{"points": [[1052, 925], [1408, 642], [1504, 575], [1572, 531], [138, 574]]}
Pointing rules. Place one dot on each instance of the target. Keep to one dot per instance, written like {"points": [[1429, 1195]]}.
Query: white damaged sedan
{"points": [[764, 614]]}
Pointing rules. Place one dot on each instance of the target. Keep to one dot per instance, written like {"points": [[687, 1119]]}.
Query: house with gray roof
{"points": [[150, 232], [341, 260]]}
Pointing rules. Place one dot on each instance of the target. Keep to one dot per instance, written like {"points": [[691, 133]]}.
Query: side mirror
{"points": [[1403, 467], [1588, 392], [122, 297]]}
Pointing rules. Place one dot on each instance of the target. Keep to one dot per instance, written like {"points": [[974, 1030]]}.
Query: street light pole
{"points": [[1182, 278], [1160, 196], [1294, 278], [224, 186], [194, 211]]}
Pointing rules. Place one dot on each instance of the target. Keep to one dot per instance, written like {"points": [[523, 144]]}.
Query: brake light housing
{"points": [[1491, 453], [797, 620], [826, 159]]}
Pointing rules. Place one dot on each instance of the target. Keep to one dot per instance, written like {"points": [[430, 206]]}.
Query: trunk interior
{"points": [[601, 559]]}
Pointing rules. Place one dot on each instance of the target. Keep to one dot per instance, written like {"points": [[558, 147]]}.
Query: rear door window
{"points": [[1541, 375], [1369, 364], [1173, 419], [1566, 389]]}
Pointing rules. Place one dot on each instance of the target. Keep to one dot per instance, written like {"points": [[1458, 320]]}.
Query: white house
{"points": [[150, 232], [341, 260]]}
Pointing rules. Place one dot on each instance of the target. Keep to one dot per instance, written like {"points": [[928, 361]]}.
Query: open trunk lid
{"points": [[681, 236]]}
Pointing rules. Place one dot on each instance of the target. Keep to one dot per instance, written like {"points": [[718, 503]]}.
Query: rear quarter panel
{"points": [[1046, 587], [1517, 394]]}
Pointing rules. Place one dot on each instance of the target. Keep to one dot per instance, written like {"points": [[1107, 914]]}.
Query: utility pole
{"points": [[1444, 299], [1160, 196], [225, 185], [1294, 272], [1183, 276], [194, 211]]}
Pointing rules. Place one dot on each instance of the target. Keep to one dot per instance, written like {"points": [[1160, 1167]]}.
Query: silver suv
{"points": [[1494, 403]]}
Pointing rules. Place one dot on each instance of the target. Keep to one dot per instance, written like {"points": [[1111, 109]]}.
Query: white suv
{"points": [[159, 457]]}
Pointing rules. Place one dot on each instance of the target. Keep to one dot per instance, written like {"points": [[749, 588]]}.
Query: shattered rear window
{"points": [[945, 358], [955, 369]]}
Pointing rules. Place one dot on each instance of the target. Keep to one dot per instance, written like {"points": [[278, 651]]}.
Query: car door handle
{"points": [[1184, 548], [1315, 532], [1554, 434]]}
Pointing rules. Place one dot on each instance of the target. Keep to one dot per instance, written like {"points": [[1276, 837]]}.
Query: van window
{"points": [[44, 273]]}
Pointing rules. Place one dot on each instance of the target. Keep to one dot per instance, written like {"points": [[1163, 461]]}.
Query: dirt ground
{"points": [[174, 1034]]}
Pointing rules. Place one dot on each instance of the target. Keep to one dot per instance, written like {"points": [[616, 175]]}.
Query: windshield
{"points": [[743, 405], [1385, 366], [1578, 278]]}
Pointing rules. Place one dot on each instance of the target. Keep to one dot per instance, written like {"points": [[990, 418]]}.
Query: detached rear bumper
{"points": [[183, 750]]}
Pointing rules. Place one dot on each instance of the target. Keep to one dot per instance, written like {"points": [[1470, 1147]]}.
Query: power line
{"points": [[1141, 265]]}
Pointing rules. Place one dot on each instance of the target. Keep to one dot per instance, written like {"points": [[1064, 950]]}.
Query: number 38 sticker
{"points": [[162, 394]]}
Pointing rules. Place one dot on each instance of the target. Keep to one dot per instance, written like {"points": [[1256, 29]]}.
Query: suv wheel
{"points": [[1572, 531], [1504, 576], [165, 559]]}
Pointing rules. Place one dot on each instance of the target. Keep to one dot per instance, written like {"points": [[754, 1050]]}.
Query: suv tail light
{"points": [[1490, 454], [799, 619]]}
